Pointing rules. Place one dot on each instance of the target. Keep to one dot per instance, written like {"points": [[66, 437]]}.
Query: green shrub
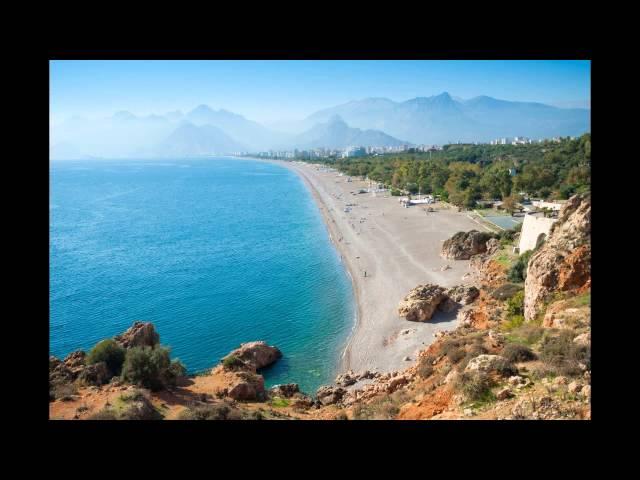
{"points": [[104, 414], [563, 355], [219, 411], [505, 368], [149, 367], [232, 362], [475, 386], [515, 305], [518, 271], [526, 333], [514, 322], [515, 352], [109, 352]]}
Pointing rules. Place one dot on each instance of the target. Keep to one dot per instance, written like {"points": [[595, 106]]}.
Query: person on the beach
{"points": [[365, 274]]}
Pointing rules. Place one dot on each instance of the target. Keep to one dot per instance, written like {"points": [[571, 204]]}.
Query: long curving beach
{"points": [[398, 248]]}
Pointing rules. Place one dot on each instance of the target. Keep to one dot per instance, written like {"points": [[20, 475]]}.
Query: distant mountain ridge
{"points": [[438, 119], [335, 133], [442, 119]]}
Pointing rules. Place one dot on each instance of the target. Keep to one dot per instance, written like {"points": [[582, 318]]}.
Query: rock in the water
{"points": [[463, 294], [286, 390], [140, 334], [563, 262], [255, 355], [463, 245], [328, 395], [421, 303]]}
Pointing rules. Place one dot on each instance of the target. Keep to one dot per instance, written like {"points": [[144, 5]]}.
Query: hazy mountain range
{"points": [[438, 119]]}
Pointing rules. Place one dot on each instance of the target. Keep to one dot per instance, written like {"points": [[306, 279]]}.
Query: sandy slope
{"points": [[398, 248]]}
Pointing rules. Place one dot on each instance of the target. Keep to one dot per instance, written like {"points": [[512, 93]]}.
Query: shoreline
{"points": [[398, 249]]}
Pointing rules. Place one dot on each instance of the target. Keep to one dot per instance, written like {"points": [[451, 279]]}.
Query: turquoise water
{"points": [[214, 252]]}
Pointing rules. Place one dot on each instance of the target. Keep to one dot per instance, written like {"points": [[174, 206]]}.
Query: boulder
{"points": [[140, 334], [448, 305], [492, 246], [583, 339], [463, 294], [95, 374], [561, 315], [255, 355], [75, 359], [504, 394], [574, 387], [484, 363], [585, 392], [463, 245], [346, 379], [286, 390], [420, 304], [246, 386], [328, 395]]}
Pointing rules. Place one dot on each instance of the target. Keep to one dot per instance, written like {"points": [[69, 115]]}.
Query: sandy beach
{"points": [[398, 248]]}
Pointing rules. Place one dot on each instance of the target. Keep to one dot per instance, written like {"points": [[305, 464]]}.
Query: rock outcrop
{"points": [[421, 302], [255, 355], [286, 390], [464, 245], [485, 363], [95, 374], [463, 294], [563, 263], [329, 395], [140, 334], [247, 386]]}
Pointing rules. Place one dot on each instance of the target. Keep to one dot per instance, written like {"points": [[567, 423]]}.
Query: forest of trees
{"points": [[464, 174]]}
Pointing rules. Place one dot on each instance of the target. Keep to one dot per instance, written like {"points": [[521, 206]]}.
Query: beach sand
{"points": [[399, 248]]}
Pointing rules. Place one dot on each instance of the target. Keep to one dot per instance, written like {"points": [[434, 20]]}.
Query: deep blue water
{"points": [[214, 252]]}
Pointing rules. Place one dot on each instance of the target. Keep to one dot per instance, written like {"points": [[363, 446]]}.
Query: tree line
{"points": [[466, 174]]}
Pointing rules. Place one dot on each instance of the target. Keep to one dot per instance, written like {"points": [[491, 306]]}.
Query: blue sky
{"points": [[268, 91]]}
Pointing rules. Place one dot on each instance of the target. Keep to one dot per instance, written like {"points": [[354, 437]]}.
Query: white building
{"points": [[535, 229]]}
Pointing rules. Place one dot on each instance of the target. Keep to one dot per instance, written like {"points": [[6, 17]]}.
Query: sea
{"points": [[215, 252]]}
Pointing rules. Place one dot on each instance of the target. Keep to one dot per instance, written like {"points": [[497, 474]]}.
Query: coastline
{"points": [[398, 249]]}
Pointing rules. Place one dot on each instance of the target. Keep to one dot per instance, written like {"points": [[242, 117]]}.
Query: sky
{"points": [[271, 91]]}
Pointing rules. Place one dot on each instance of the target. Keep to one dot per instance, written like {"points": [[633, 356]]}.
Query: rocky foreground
{"points": [[521, 351]]}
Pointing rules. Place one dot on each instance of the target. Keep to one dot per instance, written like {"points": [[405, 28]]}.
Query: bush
{"points": [[109, 352], [515, 305], [149, 367], [453, 350], [220, 411], [518, 272], [505, 368], [526, 333], [232, 362], [560, 353], [104, 414], [515, 352], [475, 386], [515, 321], [425, 367]]}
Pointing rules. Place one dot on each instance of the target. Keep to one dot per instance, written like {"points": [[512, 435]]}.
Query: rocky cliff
{"points": [[563, 263]]}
